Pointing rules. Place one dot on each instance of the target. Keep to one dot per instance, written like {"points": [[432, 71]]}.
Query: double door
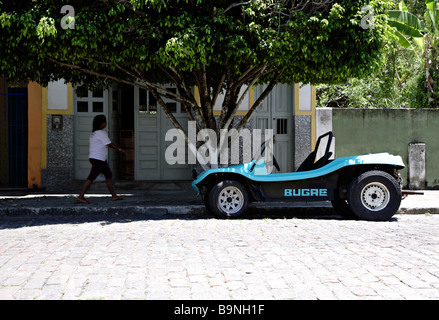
{"points": [[86, 108], [276, 113], [151, 125], [93, 103]]}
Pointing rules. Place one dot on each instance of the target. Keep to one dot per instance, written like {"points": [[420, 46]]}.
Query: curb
{"points": [[267, 209], [103, 211], [176, 203]]}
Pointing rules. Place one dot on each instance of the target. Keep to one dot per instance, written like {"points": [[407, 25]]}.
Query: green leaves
{"points": [[406, 23], [422, 38], [46, 28], [146, 36], [411, 30]]}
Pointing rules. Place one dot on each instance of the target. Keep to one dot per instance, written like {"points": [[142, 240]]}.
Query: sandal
{"points": [[117, 198], [83, 200]]}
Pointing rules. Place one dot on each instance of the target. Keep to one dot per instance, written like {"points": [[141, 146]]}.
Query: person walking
{"points": [[98, 154]]}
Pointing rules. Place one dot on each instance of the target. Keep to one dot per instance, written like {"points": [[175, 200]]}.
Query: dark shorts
{"points": [[97, 167]]}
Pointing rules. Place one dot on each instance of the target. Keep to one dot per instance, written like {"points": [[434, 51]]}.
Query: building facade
{"points": [[44, 132]]}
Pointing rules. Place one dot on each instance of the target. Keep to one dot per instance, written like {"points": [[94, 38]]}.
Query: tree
{"points": [[422, 38], [400, 83], [219, 46]]}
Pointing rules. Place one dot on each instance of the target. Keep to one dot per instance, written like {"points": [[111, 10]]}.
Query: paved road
{"points": [[205, 258]]}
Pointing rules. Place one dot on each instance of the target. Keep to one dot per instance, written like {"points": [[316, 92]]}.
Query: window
{"points": [[262, 124], [82, 106], [172, 106], [152, 104], [282, 126], [88, 101], [98, 106], [147, 102]]}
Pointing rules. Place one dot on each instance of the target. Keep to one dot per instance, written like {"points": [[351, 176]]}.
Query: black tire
{"points": [[228, 199], [341, 207], [374, 196], [205, 198]]}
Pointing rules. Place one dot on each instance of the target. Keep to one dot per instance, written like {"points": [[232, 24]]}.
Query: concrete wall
{"points": [[362, 131], [58, 174]]}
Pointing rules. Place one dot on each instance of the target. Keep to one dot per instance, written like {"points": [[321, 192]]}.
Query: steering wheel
{"points": [[275, 163]]}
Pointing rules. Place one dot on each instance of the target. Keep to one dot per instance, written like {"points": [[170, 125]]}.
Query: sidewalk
{"points": [[183, 202]]}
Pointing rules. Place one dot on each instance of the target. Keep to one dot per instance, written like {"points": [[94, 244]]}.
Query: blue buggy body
{"points": [[366, 187]]}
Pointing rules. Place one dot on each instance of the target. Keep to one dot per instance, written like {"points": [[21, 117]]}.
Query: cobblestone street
{"points": [[203, 258]]}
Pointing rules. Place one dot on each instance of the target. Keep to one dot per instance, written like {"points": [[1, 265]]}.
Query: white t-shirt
{"points": [[98, 145]]}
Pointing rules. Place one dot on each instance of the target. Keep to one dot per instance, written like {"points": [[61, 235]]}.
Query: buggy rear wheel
{"points": [[374, 196]]}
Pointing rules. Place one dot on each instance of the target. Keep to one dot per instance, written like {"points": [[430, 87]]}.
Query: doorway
{"points": [[276, 113], [13, 135], [151, 125]]}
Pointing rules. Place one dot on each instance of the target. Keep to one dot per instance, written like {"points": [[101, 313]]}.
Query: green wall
{"points": [[362, 131]]}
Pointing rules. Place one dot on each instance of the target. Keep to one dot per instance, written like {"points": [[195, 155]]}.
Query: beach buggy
{"points": [[366, 187]]}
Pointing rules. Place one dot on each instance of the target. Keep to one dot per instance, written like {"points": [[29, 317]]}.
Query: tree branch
{"points": [[258, 102], [233, 5], [232, 114], [205, 99], [218, 89]]}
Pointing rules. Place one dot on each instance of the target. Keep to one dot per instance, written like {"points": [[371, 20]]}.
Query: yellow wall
{"points": [[37, 113]]}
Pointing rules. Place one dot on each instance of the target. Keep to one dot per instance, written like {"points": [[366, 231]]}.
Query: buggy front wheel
{"points": [[228, 199]]}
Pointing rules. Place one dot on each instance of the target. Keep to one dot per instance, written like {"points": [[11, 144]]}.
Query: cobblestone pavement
{"points": [[204, 258]]}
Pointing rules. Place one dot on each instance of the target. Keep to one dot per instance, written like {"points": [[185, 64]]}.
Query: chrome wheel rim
{"points": [[231, 200], [375, 196]]}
